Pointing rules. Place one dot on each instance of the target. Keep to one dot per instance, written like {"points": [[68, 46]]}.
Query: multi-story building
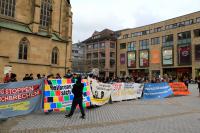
{"points": [[79, 58], [169, 47], [35, 36], [101, 52]]}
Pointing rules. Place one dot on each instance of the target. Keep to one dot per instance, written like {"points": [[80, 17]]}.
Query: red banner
{"points": [[179, 88]]}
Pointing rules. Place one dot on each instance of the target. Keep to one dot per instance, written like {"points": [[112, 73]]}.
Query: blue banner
{"points": [[156, 90], [20, 98]]}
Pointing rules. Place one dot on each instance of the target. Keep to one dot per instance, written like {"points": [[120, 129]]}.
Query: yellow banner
{"points": [[21, 106]]}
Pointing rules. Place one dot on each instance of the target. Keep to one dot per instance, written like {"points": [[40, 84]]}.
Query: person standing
{"points": [[6, 79], [198, 82], [77, 90]]}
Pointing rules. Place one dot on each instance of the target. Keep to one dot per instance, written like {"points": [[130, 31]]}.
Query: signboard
{"points": [[58, 94], [155, 56], [184, 55], [167, 56], [122, 59], [20, 98], [144, 58], [131, 57]]}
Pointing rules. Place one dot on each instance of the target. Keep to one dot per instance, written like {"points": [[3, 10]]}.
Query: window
{"points": [[95, 46], [144, 44], [123, 46], [125, 36], [90, 47], [198, 20], [155, 40], [45, 15], [102, 55], [197, 33], [54, 56], [112, 54], [158, 29], [112, 45], [131, 46], [95, 55], [168, 40], [89, 56], [23, 49], [7, 7], [102, 45], [184, 37]]}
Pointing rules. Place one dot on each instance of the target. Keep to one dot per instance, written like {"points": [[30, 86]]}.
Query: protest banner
{"points": [[58, 94], [100, 92], [179, 88], [126, 91], [156, 90], [20, 98]]}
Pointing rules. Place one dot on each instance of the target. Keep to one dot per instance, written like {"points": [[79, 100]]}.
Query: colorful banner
{"points": [[179, 88], [144, 58], [156, 90], [101, 92], [20, 98], [122, 59], [58, 94], [131, 59], [184, 55], [155, 56], [167, 57], [126, 91]]}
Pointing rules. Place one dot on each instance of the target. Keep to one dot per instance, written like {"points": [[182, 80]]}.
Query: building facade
{"points": [[35, 37], [101, 53], [169, 47], [79, 58]]}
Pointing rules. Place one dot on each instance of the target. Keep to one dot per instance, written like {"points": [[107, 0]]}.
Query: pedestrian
{"points": [[26, 77], [39, 76], [6, 79], [77, 90], [13, 77], [198, 82], [31, 77]]}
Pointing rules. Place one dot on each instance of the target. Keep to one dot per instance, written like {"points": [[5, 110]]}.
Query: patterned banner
{"points": [[156, 90], [58, 94], [20, 98], [179, 88]]}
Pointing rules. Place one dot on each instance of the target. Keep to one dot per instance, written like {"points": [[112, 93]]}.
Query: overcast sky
{"points": [[91, 15]]}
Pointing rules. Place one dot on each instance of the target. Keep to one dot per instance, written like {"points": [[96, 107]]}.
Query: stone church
{"points": [[35, 37]]}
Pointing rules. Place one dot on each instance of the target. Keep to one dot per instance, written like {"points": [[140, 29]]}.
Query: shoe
{"points": [[82, 117], [68, 116]]}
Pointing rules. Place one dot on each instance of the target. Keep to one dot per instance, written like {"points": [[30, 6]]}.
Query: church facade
{"points": [[35, 37]]}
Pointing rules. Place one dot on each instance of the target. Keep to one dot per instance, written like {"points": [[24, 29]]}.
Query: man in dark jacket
{"points": [[78, 98]]}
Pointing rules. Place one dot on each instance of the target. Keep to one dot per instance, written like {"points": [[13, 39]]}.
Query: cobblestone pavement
{"points": [[171, 115]]}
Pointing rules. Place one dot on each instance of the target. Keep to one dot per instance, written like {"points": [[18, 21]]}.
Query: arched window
{"points": [[23, 49], [7, 7], [54, 56], [45, 15]]}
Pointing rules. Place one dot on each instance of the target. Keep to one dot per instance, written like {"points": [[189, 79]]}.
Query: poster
{"points": [[197, 52], [144, 58], [20, 98], [155, 56], [131, 59], [184, 55], [167, 57], [122, 59], [58, 94]]}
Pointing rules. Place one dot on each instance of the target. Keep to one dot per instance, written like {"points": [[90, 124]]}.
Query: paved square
{"points": [[171, 115]]}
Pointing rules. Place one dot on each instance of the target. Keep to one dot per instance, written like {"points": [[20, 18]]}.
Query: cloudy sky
{"points": [[91, 15]]}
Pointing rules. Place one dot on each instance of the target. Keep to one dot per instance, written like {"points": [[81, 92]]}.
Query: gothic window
{"points": [[23, 49], [54, 56], [45, 15], [7, 7]]}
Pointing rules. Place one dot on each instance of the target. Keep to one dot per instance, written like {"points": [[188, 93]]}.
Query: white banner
{"points": [[126, 91]]}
